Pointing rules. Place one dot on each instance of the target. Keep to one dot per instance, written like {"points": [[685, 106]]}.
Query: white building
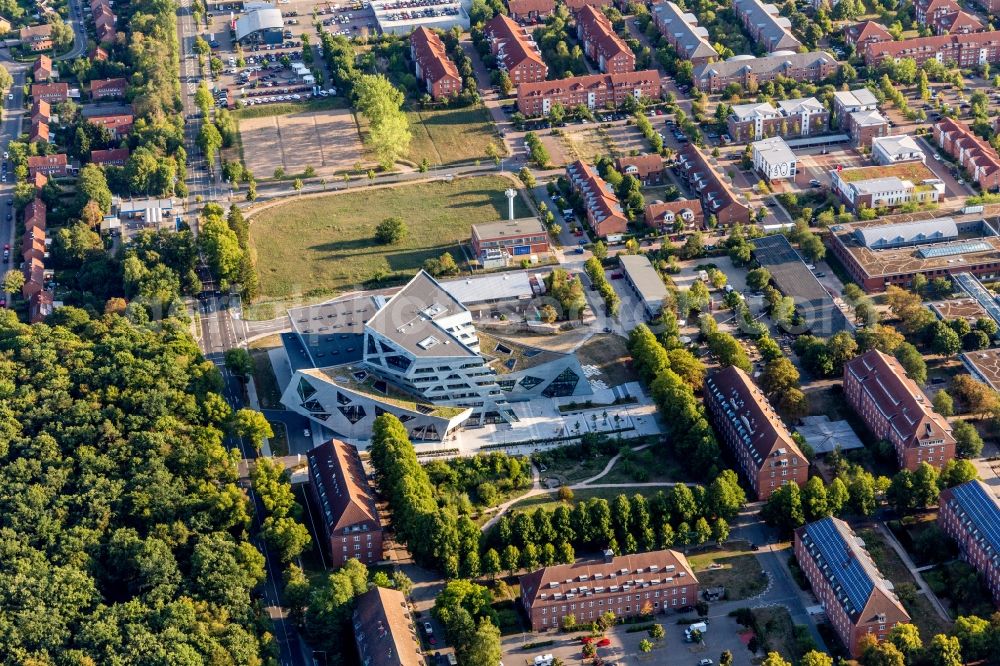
{"points": [[810, 111], [773, 159], [402, 18], [416, 355], [896, 148]]}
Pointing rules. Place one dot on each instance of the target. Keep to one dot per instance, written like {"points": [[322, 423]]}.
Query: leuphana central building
{"points": [[416, 355]]}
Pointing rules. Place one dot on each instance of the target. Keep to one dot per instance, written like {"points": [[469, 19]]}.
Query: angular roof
{"points": [[43, 64], [868, 118], [792, 107], [61, 88], [857, 98], [36, 32], [682, 28], [430, 54], [904, 233], [335, 469], [657, 209], [715, 194], [412, 319], [645, 164], [100, 85], [515, 46], [108, 156], [745, 112], [765, 65], [38, 161], [764, 433], [775, 28], [599, 199], [897, 144], [898, 397], [597, 27], [590, 82], [383, 629], [621, 570], [259, 19], [977, 501], [876, 52], [958, 22], [774, 150], [528, 6], [848, 568], [867, 30]]}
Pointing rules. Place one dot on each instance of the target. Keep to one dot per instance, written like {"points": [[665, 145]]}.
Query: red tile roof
{"points": [[655, 211], [42, 161], [337, 466], [524, 7], [644, 164], [600, 200], [36, 33], [110, 156], [60, 90], [577, 5], [383, 629], [42, 67], [41, 108], [516, 47], [957, 22], [867, 30], [589, 81], [107, 86], [431, 56], [598, 28], [876, 52]]}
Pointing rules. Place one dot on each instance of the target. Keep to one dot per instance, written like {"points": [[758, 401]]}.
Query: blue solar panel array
{"points": [[844, 568], [979, 504], [960, 248]]}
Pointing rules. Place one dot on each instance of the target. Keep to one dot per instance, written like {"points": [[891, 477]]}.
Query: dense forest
{"points": [[122, 530]]}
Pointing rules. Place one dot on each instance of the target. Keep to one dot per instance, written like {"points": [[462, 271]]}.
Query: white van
{"points": [[700, 627]]}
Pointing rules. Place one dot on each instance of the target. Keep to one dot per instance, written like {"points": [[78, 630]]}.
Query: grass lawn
{"points": [[322, 246], [446, 136], [610, 354], [550, 502], [286, 108], [648, 465], [588, 144], [734, 568], [778, 632]]}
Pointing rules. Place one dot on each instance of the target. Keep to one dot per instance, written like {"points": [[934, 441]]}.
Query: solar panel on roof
{"points": [[844, 566], [949, 250], [982, 509]]}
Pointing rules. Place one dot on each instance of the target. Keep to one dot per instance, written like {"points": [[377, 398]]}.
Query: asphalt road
{"points": [[10, 129]]}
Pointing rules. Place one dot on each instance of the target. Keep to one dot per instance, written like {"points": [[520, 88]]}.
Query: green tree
{"points": [[968, 443], [391, 231], [91, 185], [645, 645], [253, 425], [816, 658], [913, 362], [925, 486], [774, 659], [906, 637], [381, 104], [837, 496], [491, 563], [814, 499], [6, 80], [943, 404], [13, 280], [883, 654], [783, 508], [239, 362], [484, 648], [944, 651], [210, 141]]}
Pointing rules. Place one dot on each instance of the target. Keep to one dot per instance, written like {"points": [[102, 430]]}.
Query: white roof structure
{"points": [[868, 118], [745, 112], [774, 150], [645, 279], [897, 146], [794, 107], [860, 98], [907, 233], [498, 287], [823, 435], [267, 18]]}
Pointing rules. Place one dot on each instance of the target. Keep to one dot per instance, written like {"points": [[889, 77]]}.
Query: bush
{"points": [[390, 231]]}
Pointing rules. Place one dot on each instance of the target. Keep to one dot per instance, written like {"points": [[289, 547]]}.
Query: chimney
{"points": [[609, 556]]}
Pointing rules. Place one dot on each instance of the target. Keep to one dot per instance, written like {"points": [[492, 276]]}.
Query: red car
{"points": [[604, 642], [586, 640], [616, 276]]}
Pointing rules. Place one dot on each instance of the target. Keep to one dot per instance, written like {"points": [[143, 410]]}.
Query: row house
{"points": [[792, 118], [681, 30], [41, 111], [976, 156], [108, 88], [753, 433], [956, 23], [664, 215], [717, 197], [50, 165], [926, 11], [530, 11], [593, 91], [119, 124], [433, 66], [857, 599], [34, 252], [383, 629], [53, 93], [895, 409], [601, 43], [110, 157], [766, 25], [970, 514], [860, 35], [105, 21], [749, 72], [965, 50], [39, 132], [575, 6], [41, 71], [36, 38], [649, 169], [349, 519], [515, 51], [604, 211], [626, 585]]}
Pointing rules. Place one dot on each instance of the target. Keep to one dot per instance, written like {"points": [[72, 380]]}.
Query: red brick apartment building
{"points": [[927, 10], [754, 433], [896, 410], [975, 155], [53, 93], [717, 198], [515, 51], [965, 50], [383, 629], [663, 214], [576, 5], [524, 11], [648, 169], [108, 88], [856, 597], [520, 238], [601, 43], [957, 23], [110, 157], [50, 165], [624, 585], [118, 124], [434, 68], [593, 91], [604, 211], [348, 517], [860, 35], [970, 514], [747, 72]]}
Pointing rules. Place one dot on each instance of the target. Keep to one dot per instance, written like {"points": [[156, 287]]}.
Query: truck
{"points": [[700, 627]]}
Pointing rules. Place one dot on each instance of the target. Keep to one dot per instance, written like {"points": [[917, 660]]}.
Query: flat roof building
{"points": [[970, 514], [514, 239], [896, 410], [396, 18], [627, 585], [887, 186], [383, 629], [984, 366], [903, 234], [857, 599], [755, 435], [645, 282], [773, 159], [349, 519], [896, 148]]}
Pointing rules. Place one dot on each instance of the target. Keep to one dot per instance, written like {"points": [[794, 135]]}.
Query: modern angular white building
{"points": [[417, 355], [773, 159]]}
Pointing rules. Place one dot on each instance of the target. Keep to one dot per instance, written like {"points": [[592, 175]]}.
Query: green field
{"points": [[287, 108], [323, 246], [733, 568], [445, 136]]}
